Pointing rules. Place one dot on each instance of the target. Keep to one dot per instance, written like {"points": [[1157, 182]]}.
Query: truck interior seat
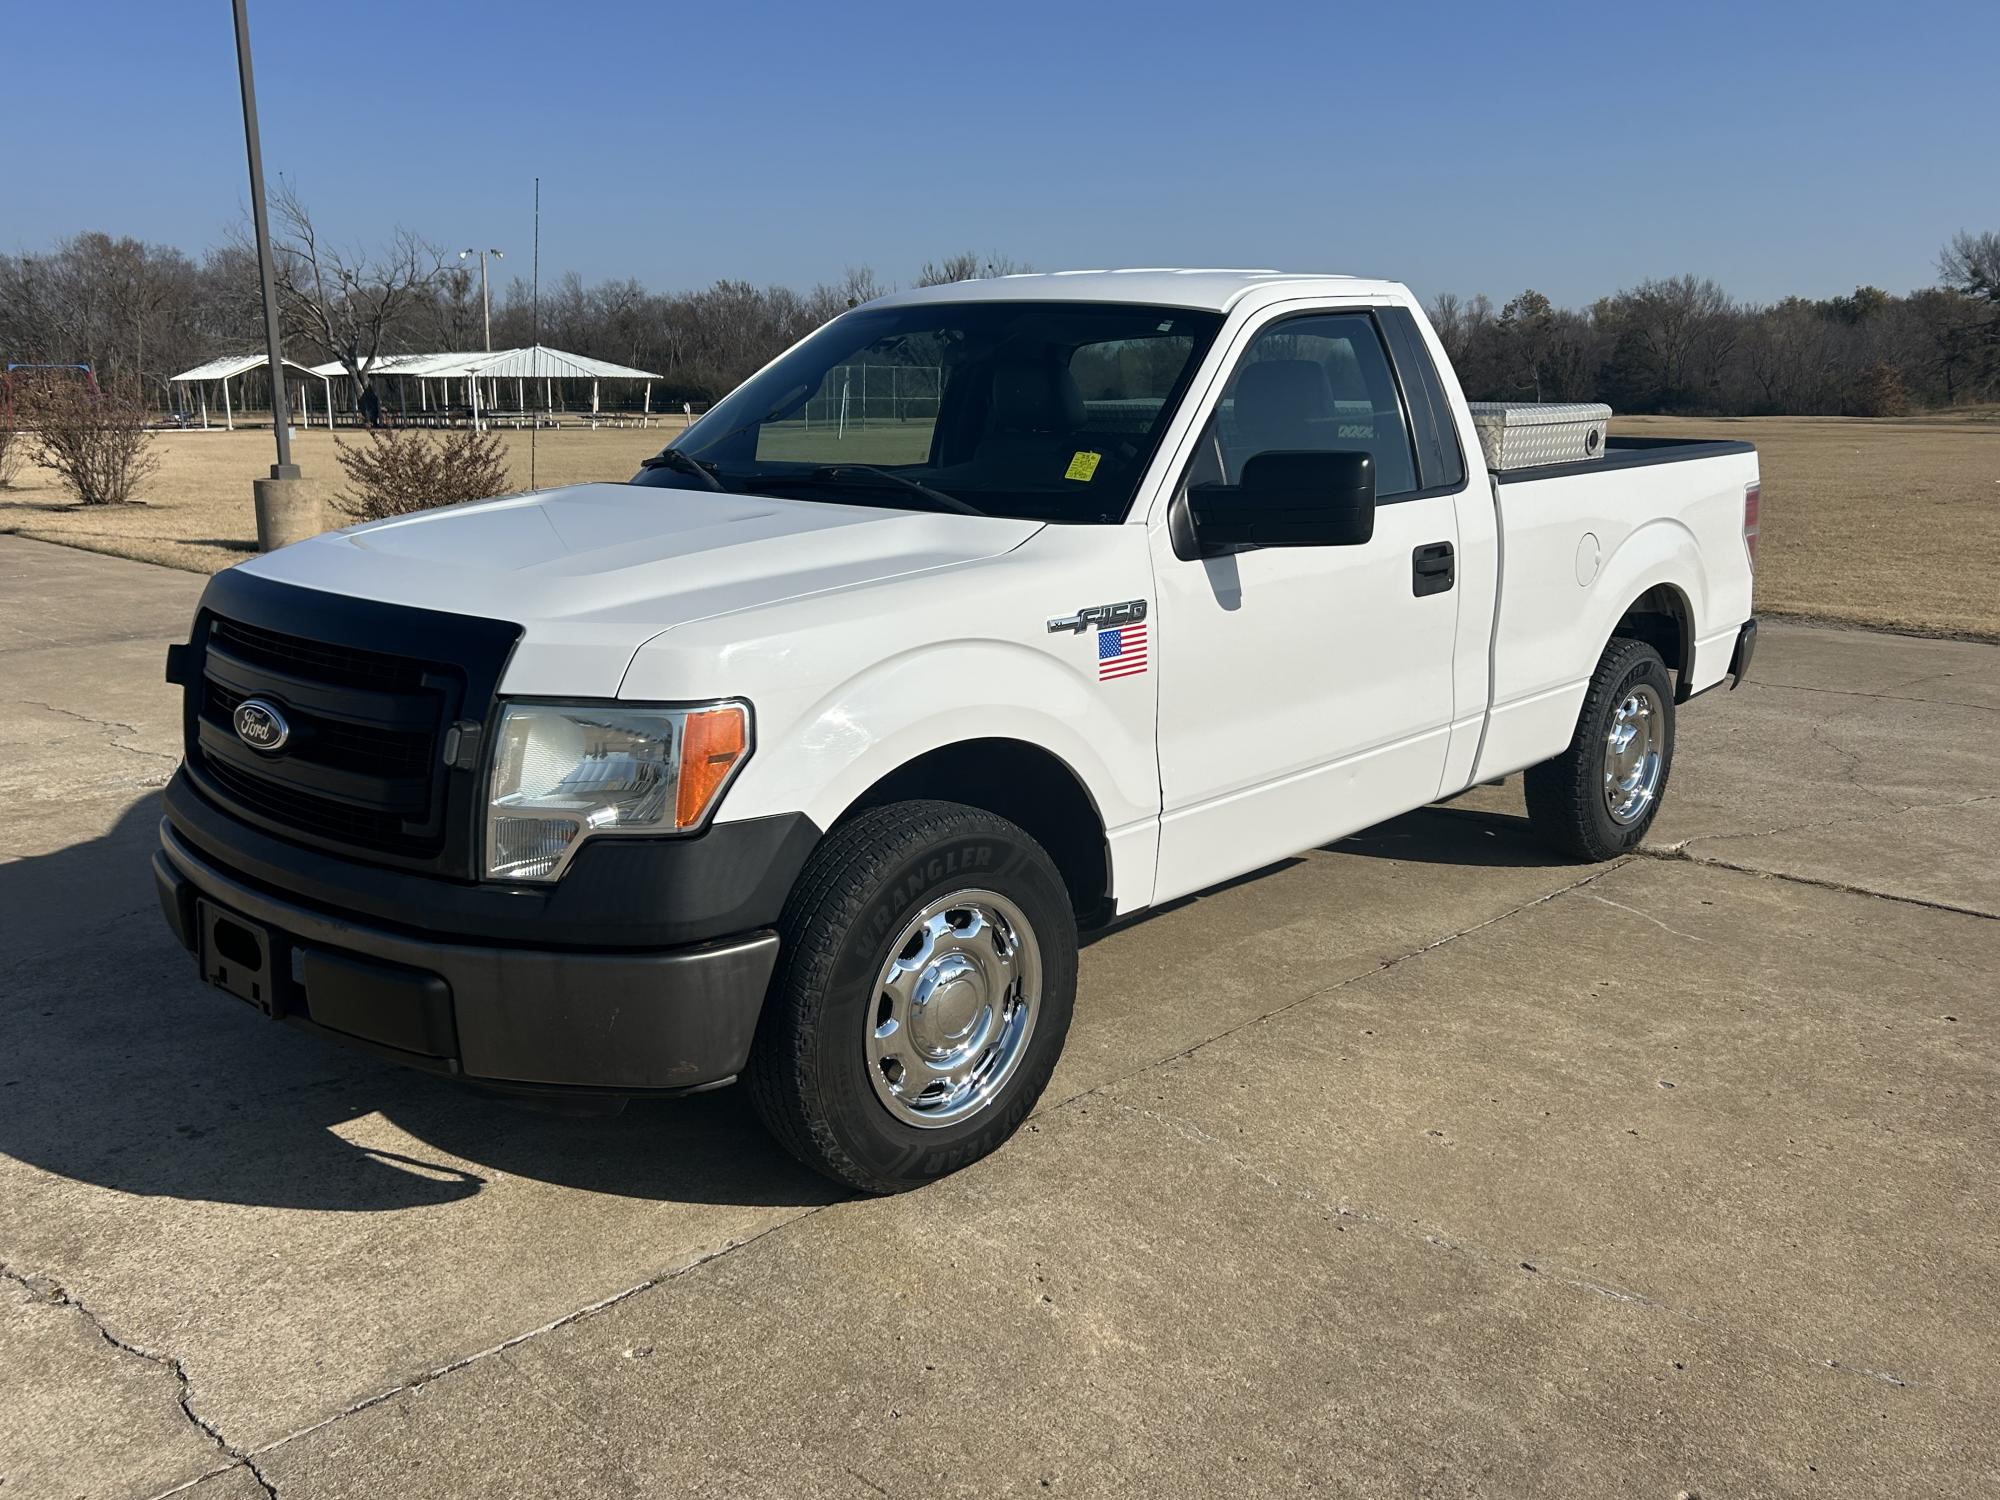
{"points": [[1283, 404], [1032, 419]]}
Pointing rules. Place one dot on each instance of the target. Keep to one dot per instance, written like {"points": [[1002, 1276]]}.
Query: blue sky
{"points": [[1784, 147]]}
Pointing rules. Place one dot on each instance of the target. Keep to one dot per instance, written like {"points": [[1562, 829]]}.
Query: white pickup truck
{"points": [[986, 612]]}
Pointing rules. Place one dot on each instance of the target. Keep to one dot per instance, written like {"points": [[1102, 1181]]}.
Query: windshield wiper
{"points": [[831, 473], [684, 463]]}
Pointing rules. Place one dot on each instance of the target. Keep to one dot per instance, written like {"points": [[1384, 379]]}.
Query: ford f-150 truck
{"points": [[985, 613]]}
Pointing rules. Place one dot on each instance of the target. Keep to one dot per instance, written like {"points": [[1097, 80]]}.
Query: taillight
{"points": [[1752, 495]]}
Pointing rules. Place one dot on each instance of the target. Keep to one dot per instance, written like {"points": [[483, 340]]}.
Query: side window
{"points": [[1439, 456], [1320, 382]]}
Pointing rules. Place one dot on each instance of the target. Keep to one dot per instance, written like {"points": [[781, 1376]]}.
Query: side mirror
{"points": [[1306, 498]]}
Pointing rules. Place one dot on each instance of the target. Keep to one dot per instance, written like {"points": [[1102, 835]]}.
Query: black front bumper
{"points": [[628, 1021]]}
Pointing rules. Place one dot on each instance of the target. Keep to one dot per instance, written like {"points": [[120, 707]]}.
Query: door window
{"points": [[1321, 383]]}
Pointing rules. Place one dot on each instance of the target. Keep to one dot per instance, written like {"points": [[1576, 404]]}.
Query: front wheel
{"points": [[1597, 799], [927, 976]]}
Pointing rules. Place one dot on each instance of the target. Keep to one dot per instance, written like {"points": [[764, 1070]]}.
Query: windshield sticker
{"points": [[1082, 465]]}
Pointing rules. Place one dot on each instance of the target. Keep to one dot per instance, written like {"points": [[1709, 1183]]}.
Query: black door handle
{"points": [[1431, 569]]}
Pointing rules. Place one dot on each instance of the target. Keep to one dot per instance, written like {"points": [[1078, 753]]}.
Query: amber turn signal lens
{"points": [[711, 744]]}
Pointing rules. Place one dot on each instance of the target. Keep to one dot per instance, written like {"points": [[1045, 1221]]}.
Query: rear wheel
{"points": [[1597, 799], [924, 991]]}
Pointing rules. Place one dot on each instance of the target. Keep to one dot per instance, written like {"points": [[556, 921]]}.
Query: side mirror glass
{"points": [[1308, 498]]}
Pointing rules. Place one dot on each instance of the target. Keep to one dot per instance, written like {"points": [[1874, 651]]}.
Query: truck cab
{"points": [[987, 612]]}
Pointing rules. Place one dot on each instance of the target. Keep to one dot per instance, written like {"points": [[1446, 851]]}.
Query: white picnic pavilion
{"points": [[488, 368], [219, 372]]}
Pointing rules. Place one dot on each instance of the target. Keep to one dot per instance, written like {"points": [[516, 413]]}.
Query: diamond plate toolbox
{"points": [[1527, 434]]}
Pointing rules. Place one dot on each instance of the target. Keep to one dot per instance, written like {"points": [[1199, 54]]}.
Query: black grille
{"points": [[321, 815], [362, 764], [368, 691], [342, 666]]}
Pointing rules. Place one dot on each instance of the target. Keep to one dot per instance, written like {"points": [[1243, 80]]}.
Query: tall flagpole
{"points": [[536, 315]]}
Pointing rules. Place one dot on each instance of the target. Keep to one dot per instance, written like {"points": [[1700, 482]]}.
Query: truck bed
{"points": [[1630, 453], [1654, 521]]}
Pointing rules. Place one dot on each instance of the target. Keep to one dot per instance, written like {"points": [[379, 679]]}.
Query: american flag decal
{"points": [[1121, 652]]}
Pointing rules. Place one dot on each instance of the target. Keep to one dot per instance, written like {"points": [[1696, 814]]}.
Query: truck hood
{"points": [[593, 571]]}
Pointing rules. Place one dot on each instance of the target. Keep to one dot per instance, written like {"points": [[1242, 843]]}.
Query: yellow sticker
{"points": [[1083, 465]]}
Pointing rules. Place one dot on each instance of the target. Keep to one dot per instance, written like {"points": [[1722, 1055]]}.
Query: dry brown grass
{"points": [[1890, 523], [198, 515]]}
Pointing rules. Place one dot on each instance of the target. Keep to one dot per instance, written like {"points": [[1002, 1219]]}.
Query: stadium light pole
{"points": [[485, 298], [285, 511]]}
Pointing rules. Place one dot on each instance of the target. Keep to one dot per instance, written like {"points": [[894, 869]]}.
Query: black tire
{"points": [[809, 1070], [1567, 802]]}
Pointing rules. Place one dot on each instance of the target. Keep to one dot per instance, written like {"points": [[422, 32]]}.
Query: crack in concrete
{"points": [[1800, 687], [513, 1341], [1648, 916], [1850, 772], [53, 1293], [112, 728], [1672, 853]]}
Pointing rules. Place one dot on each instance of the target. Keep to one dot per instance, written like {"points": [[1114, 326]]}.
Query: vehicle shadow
{"points": [[120, 1068], [1443, 834], [1440, 834]]}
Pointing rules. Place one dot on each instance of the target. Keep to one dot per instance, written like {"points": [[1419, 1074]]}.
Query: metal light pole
{"points": [[285, 512], [485, 297]]}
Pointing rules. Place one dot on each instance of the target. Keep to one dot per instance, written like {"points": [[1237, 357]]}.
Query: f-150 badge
{"points": [[1100, 617]]}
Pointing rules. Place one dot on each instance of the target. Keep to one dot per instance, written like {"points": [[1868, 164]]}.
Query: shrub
{"points": [[1882, 394], [13, 450], [95, 441], [399, 470]]}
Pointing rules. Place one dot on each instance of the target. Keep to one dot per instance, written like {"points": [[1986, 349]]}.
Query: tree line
{"points": [[138, 313], [1685, 345]]}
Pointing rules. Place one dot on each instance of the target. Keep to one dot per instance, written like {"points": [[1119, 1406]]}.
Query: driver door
{"points": [[1305, 692]]}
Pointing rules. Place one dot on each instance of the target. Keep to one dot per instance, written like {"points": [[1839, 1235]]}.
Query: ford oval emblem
{"points": [[260, 726]]}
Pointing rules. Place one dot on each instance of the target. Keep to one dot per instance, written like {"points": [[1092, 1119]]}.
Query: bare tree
{"points": [[1447, 314], [126, 308], [347, 304], [1673, 339], [451, 314], [1954, 335], [1528, 324], [1971, 264], [965, 266]]}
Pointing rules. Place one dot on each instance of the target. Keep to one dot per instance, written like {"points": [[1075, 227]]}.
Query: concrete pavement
{"points": [[1420, 1165]]}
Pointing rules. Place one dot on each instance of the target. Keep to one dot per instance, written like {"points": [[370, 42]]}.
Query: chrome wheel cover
{"points": [[1632, 755], [954, 1008]]}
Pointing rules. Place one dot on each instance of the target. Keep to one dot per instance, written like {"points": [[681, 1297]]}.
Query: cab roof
{"points": [[1209, 290]]}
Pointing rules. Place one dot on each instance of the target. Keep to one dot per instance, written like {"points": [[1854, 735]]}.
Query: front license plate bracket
{"points": [[239, 955]]}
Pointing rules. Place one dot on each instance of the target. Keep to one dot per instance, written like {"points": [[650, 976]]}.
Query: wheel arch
{"points": [[1664, 620], [1655, 581], [1027, 784]]}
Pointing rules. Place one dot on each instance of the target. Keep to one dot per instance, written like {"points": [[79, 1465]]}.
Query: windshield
{"points": [[1043, 411]]}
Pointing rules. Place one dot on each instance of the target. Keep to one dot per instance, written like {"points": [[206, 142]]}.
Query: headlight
{"points": [[565, 772]]}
